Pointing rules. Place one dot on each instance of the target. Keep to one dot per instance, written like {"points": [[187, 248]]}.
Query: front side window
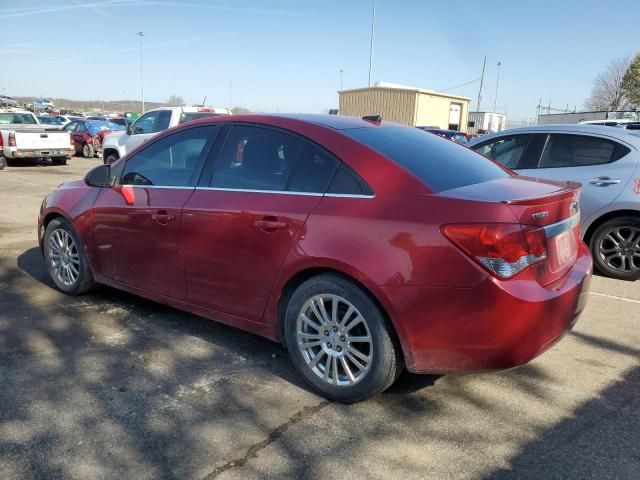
{"points": [[256, 158], [576, 151], [146, 123], [173, 161], [506, 151], [439, 163]]}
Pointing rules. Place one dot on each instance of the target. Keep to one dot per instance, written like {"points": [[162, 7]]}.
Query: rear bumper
{"points": [[494, 325], [13, 152]]}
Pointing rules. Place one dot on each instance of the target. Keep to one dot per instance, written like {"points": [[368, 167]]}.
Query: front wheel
{"points": [[339, 340], [110, 158], [65, 257], [615, 246]]}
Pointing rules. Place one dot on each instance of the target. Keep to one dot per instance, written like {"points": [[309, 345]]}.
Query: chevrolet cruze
{"points": [[365, 247]]}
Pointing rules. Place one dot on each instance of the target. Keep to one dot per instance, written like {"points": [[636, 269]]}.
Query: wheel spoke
{"points": [[353, 323], [356, 362], [347, 370], [327, 367], [611, 239], [347, 315], [310, 322], [360, 339], [334, 309], [359, 354], [309, 336], [317, 313], [323, 311], [307, 345], [314, 360]]}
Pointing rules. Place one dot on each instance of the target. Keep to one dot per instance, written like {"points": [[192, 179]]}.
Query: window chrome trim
{"points": [[157, 187], [562, 226], [286, 192]]}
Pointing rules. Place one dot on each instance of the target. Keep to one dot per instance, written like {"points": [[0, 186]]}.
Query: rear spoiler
{"points": [[564, 194]]}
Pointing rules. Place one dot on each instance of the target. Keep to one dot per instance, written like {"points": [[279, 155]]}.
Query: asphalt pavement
{"points": [[108, 385]]}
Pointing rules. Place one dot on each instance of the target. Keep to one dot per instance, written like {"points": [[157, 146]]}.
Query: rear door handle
{"points": [[604, 181], [162, 217], [270, 224]]}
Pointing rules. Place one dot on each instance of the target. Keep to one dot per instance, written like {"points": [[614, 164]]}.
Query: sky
{"points": [[286, 55]]}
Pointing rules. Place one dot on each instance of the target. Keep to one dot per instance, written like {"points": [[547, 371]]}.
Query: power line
{"points": [[461, 85]]}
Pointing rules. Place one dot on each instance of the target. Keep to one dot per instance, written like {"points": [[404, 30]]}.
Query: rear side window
{"points": [[347, 182], [579, 151], [313, 172], [256, 158], [505, 150], [441, 164]]}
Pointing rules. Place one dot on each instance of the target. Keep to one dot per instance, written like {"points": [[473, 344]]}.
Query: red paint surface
{"points": [[209, 253]]}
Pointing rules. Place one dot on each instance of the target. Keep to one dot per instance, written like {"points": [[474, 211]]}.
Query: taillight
{"points": [[1, 140], [12, 139], [70, 140], [504, 249]]}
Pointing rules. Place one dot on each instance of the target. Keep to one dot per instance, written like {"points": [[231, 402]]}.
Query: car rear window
{"points": [[440, 163]]}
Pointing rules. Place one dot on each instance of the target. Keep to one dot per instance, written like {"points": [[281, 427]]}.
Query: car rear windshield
{"points": [[187, 117], [440, 163], [9, 118]]}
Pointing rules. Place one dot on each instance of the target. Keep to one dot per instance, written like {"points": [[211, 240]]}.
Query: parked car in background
{"points": [[363, 246], [64, 119], [6, 101], [605, 160], [458, 137], [49, 120], [150, 124], [87, 136], [23, 137]]}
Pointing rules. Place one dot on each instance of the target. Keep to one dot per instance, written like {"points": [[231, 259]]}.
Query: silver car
{"points": [[605, 161]]}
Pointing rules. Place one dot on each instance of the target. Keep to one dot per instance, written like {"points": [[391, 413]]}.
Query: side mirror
{"points": [[130, 129], [99, 176]]}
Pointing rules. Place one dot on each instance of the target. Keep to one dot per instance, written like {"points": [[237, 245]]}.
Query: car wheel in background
{"points": [[110, 158], [3, 163], [59, 161], [339, 340], [88, 151], [97, 146], [615, 246], [65, 258]]}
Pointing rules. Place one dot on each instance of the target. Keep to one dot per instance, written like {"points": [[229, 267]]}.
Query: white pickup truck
{"points": [[149, 124], [23, 137]]}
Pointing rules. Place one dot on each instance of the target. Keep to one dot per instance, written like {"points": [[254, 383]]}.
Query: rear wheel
{"points": [[65, 258], [615, 246], [339, 340], [59, 161], [3, 163], [88, 151]]}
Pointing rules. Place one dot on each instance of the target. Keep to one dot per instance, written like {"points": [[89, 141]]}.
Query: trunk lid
{"points": [[42, 140], [552, 205]]}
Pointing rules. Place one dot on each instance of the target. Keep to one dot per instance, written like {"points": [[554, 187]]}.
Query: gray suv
{"points": [[605, 161]]}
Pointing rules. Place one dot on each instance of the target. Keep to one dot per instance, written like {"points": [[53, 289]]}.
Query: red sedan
{"points": [[364, 246]]}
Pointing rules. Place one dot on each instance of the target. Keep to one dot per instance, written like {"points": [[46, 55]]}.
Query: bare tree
{"points": [[175, 101], [607, 93]]}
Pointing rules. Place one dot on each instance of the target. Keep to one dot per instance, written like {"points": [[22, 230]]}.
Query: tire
{"points": [[80, 280], [3, 163], [59, 161], [613, 246], [88, 151], [381, 356], [110, 158]]}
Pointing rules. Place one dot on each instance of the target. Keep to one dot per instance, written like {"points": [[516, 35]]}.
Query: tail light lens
{"points": [[70, 140], [505, 249], [12, 139]]}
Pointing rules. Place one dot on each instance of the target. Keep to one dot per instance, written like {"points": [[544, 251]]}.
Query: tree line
{"points": [[617, 87]]}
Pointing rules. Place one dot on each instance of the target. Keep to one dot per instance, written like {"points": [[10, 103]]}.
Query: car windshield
{"points": [[440, 163]]}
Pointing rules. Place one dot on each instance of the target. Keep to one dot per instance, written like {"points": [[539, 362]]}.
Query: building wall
{"points": [[395, 105], [433, 110]]}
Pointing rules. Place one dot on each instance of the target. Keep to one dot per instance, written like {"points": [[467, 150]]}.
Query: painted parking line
{"points": [[615, 297], [27, 183]]}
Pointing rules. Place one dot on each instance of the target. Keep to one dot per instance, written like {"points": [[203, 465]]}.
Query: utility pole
{"points": [[341, 72], [539, 106], [141, 35], [549, 108], [373, 22], [495, 99], [484, 64], [230, 104]]}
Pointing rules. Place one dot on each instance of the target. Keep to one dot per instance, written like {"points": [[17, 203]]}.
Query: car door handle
{"points": [[604, 181], [270, 224], [162, 217]]}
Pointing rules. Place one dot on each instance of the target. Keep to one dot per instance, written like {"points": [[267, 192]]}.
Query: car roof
{"points": [[601, 130]]}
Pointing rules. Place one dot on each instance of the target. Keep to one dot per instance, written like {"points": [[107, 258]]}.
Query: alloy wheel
{"points": [[334, 339], [64, 257], [619, 249]]}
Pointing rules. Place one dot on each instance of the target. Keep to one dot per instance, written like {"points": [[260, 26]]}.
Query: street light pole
{"points": [[495, 99], [141, 35], [373, 23], [341, 72]]}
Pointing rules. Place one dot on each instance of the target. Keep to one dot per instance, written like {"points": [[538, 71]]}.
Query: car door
{"points": [[602, 165], [136, 222], [146, 127], [77, 135], [242, 221]]}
